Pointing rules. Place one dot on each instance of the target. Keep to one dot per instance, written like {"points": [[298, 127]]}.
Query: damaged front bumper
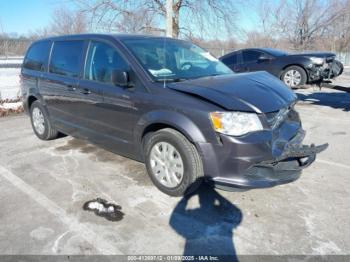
{"points": [[327, 71], [300, 156], [278, 170]]}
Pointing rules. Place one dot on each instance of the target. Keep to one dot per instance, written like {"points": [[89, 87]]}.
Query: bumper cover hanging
{"points": [[283, 169], [305, 155]]}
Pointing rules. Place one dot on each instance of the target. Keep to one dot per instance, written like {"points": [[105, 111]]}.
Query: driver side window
{"points": [[102, 59]]}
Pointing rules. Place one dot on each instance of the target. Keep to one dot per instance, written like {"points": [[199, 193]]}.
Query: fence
{"points": [[13, 49], [344, 57]]}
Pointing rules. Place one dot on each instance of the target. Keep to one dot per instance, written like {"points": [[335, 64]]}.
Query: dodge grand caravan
{"points": [[169, 104]]}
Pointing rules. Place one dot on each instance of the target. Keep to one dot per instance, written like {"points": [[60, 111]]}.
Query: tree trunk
{"points": [[176, 27], [176, 18]]}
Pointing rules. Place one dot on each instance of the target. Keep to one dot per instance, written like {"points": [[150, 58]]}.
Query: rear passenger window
{"points": [[251, 56], [66, 58], [102, 59], [37, 56], [230, 60]]}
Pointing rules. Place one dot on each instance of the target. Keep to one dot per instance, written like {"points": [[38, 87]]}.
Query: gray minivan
{"points": [[169, 104]]}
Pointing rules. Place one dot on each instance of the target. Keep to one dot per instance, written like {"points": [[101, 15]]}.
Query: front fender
{"points": [[176, 120]]}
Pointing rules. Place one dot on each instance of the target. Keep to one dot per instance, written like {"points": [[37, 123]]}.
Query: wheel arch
{"points": [[156, 120], [295, 64], [31, 96], [30, 100]]}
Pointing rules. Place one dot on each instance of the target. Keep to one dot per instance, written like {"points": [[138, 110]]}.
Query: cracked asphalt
{"points": [[44, 185]]}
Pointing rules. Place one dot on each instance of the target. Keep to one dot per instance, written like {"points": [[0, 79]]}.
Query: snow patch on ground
{"points": [[11, 61], [13, 106], [9, 83], [104, 209]]}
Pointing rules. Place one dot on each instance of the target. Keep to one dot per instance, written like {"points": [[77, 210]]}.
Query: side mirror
{"points": [[120, 78]]}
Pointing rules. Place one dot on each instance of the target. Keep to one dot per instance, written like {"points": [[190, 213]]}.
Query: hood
{"points": [[315, 54], [257, 92]]}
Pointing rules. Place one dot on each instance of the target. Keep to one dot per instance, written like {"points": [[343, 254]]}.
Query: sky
{"points": [[24, 16]]}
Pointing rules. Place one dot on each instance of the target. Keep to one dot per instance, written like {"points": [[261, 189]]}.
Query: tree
{"points": [[339, 32], [302, 22], [140, 20], [216, 47], [205, 17], [65, 21]]}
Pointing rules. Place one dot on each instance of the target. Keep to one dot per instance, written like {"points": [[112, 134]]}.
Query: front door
{"points": [[113, 119], [252, 63]]}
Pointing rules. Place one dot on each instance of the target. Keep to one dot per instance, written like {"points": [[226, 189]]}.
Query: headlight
{"points": [[317, 60], [235, 123]]}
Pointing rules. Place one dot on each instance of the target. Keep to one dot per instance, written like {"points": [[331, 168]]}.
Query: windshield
{"points": [[174, 60]]}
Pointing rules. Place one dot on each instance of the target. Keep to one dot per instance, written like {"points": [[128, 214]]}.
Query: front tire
{"points": [[294, 76], [173, 162], [41, 123]]}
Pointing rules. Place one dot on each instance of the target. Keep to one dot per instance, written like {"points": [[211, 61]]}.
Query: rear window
{"points": [[66, 57], [37, 56]]}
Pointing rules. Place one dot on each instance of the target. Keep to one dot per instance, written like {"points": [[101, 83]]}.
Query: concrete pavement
{"points": [[43, 186]]}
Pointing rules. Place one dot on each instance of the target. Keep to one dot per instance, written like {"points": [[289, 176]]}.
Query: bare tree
{"points": [[140, 20], [216, 47], [260, 39], [2, 31], [39, 33], [302, 22], [208, 17], [338, 34], [65, 21]]}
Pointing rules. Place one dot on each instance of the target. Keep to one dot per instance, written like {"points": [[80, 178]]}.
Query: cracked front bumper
{"points": [[255, 164]]}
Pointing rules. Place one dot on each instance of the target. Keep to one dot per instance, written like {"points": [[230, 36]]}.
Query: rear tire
{"points": [[172, 162], [294, 76], [41, 123]]}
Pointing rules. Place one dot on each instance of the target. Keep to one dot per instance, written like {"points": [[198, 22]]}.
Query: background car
{"points": [[293, 69]]}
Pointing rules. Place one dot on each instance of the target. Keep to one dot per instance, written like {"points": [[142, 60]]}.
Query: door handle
{"points": [[71, 88], [85, 91], [126, 96]]}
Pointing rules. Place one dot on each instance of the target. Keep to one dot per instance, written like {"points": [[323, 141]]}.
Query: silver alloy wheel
{"points": [[38, 120], [167, 165], [292, 78]]}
